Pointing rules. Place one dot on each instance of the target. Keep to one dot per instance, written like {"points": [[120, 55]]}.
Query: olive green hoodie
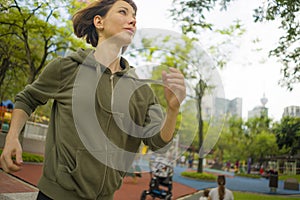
{"points": [[84, 159]]}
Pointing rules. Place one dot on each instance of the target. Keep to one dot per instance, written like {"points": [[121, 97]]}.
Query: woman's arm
{"points": [[35, 94], [12, 148], [175, 92]]}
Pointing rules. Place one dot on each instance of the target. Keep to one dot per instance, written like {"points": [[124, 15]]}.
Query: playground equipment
{"points": [[6, 108]]}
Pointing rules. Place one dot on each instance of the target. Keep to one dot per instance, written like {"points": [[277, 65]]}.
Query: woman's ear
{"points": [[98, 22]]}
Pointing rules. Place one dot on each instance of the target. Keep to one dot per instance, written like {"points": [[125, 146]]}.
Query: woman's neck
{"points": [[109, 55]]}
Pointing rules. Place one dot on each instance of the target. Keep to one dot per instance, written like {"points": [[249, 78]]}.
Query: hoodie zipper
{"points": [[111, 78], [112, 88]]}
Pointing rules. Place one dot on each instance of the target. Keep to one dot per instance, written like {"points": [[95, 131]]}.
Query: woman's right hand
{"points": [[11, 157]]}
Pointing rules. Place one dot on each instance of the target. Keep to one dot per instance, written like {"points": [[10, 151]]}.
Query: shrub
{"points": [[249, 175], [200, 176], [29, 157]]}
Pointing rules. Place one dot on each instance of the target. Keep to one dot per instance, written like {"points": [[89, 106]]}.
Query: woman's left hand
{"points": [[175, 90]]}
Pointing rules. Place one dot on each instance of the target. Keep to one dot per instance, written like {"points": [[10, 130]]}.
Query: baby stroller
{"points": [[160, 185]]}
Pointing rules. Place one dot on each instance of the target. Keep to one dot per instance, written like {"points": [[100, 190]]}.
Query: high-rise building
{"points": [[259, 111], [292, 111], [228, 107]]}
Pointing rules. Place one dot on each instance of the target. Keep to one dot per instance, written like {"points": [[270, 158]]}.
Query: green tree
{"points": [[240, 140], [231, 144], [183, 53], [191, 17], [186, 131], [11, 71], [287, 133], [260, 140], [200, 90], [31, 34], [183, 13], [191, 14], [224, 148], [257, 125], [288, 50], [263, 145]]}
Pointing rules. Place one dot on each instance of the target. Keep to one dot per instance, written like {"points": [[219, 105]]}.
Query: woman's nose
{"points": [[132, 21]]}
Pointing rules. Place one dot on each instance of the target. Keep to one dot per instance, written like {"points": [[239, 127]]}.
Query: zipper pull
{"points": [[112, 88], [111, 78]]}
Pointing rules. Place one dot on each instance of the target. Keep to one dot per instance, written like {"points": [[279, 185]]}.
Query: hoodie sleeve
{"points": [[42, 89], [154, 119]]}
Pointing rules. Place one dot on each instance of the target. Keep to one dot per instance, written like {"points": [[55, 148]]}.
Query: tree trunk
{"points": [[200, 93]]}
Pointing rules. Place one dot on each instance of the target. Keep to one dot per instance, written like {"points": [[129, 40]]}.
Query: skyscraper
{"points": [[259, 111], [292, 111], [228, 107]]}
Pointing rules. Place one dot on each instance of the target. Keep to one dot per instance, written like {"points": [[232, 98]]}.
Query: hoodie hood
{"points": [[86, 57], [80, 55]]}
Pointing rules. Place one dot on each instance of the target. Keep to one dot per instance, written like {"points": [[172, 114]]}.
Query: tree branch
{"points": [[11, 24]]}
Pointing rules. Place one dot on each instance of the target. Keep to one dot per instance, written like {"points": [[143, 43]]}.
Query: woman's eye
{"points": [[123, 12]]}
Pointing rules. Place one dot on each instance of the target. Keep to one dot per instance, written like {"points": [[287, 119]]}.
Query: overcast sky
{"points": [[249, 74]]}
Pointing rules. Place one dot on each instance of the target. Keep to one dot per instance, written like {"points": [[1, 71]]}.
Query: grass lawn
{"points": [[247, 195], [252, 196], [284, 177]]}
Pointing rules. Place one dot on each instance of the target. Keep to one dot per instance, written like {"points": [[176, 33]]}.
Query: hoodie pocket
{"points": [[50, 164], [86, 178], [114, 179]]}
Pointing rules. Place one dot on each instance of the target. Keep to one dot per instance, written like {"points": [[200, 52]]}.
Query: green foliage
{"points": [[287, 51], [184, 54], [191, 17], [199, 176], [44, 110], [191, 14], [248, 175], [287, 132], [167, 52], [258, 138], [284, 177], [264, 144], [256, 125], [31, 34], [232, 142], [197, 66], [240, 140], [188, 132], [28, 157]]}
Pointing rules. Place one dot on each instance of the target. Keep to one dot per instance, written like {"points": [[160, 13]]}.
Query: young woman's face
{"points": [[119, 22]]}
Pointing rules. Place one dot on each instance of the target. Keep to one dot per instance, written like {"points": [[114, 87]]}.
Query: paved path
{"points": [[234, 183], [21, 185]]}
